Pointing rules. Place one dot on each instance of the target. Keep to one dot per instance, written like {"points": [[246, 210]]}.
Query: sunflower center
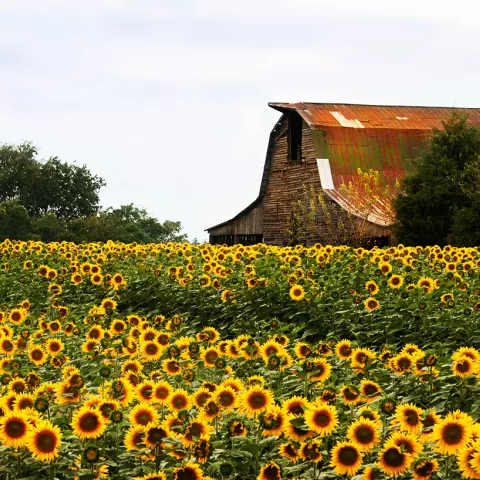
{"points": [[452, 434], [370, 389], [404, 363], [146, 392], [321, 419], [394, 458], [45, 442], [425, 469], [37, 354], [257, 400], [89, 422], [156, 435], [296, 409], [411, 417], [161, 393], [151, 349], [15, 428], [348, 456], [271, 472], [226, 399], [179, 402], [211, 356], [143, 418], [463, 366], [186, 473], [350, 394], [364, 435]]}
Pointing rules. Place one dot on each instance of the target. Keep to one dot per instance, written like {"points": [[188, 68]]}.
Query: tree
{"points": [[51, 186], [435, 203], [126, 224], [15, 223]]}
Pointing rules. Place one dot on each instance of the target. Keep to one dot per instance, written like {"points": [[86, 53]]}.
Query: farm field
{"points": [[190, 362]]}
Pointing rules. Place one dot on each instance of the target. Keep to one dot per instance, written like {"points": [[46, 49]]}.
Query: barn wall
{"points": [[285, 186], [250, 223]]}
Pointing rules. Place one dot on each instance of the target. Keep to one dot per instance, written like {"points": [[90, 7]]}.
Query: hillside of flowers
{"points": [[190, 362]]}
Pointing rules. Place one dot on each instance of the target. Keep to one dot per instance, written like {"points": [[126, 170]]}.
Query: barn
{"points": [[322, 145]]}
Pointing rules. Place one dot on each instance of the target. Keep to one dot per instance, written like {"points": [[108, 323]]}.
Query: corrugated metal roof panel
{"points": [[319, 115]]}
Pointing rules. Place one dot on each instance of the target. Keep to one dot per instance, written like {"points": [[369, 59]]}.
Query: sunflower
{"points": [[152, 476], [179, 400], [350, 395], [143, 414], [364, 434], [385, 267], [197, 429], [288, 450], [303, 350], [118, 327], [88, 423], [272, 421], [370, 390], [372, 287], [402, 363], [255, 400], [407, 442], [371, 473], [24, 401], [393, 461], [321, 418], [343, 349], [408, 416], [134, 438], [14, 429], [7, 347], [171, 366], [44, 440], [452, 433], [395, 281], [465, 458], [424, 469], [346, 458], [151, 351], [270, 471], [226, 397], [209, 356], [297, 292], [54, 346], [190, 471], [321, 370], [310, 451], [464, 367], [371, 304], [427, 284]]}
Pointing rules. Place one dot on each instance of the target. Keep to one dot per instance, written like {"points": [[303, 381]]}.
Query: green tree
{"points": [[15, 222], [50, 186], [128, 224], [435, 202]]}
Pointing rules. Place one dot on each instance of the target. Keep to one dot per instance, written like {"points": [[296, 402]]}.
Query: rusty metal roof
{"points": [[383, 138], [319, 115]]}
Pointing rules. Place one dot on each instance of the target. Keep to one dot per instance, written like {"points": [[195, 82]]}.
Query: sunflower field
{"points": [[190, 362]]}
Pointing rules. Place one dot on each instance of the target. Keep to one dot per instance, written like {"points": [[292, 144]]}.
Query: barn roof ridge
{"points": [[362, 116], [453, 107]]}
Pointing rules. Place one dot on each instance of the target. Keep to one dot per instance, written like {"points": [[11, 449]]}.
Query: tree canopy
{"points": [[53, 201], [51, 186], [439, 197]]}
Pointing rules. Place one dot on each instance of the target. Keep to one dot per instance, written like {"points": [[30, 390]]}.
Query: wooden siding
{"points": [[285, 184], [251, 223]]}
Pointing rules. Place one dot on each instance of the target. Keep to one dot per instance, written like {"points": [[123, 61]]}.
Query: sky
{"points": [[167, 100]]}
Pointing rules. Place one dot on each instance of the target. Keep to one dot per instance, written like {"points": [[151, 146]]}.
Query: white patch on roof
{"points": [[345, 122], [402, 118], [326, 179]]}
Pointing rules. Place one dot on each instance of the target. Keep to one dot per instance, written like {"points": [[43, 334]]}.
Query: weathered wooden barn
{"points": [[323, 145]]}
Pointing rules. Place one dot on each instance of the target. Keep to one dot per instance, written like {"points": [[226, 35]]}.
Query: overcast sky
{"points": [[167, 99]]}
